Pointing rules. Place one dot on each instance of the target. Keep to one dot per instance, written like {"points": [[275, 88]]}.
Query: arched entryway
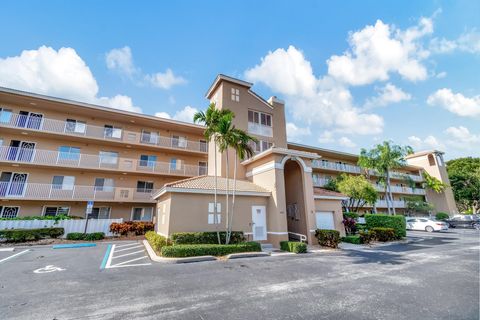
{"points": [[295, 199]]}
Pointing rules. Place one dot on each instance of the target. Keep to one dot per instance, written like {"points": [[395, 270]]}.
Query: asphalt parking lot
{"points": [[435, 276]]}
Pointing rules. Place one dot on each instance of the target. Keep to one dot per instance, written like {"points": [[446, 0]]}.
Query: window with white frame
{"points": [[111, 131], [100, 213], [63, 182], [144, 186], [68, 153], [9, 211], [104, 184], [261, 146], [211, 213], [175, 164], [202, 168], [179, 141], [5, 115], [235, 95], [108, 158], [147, 160], [257, 117], [203, 146], [149, 137], [56, 211], [142, 214], [75, 126]]}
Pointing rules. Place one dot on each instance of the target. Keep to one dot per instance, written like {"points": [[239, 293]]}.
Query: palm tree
{"points": [[211, 118], [241, 143], [384, 158]]}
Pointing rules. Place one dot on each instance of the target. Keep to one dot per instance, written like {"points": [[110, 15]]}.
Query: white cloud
{"points": [[461, 138], [455, 102], [185, 115], [121, 61], [387, 95], [320, 101], [441, 75], [467, 42], [61, 73], [430, 142], [326, 137], [165, 80], [346, 142], [295, 133]]}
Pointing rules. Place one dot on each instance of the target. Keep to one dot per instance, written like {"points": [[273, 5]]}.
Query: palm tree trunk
{"points": [[229, 229], [390, 192], [227, 202], [215, 196], [387, 198]]}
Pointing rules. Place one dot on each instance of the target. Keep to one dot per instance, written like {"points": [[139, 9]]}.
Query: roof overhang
{"points": [[165, 190], [222, 77], [282, 151], [423, 153]]}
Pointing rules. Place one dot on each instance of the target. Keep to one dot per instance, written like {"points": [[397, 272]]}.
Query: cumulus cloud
{"points": [[467, 42], [380, 49], [460, 137], [61, 73], [121, 60], [346, 142], [326, 137], [387, 95], [429, 142], [312, 100], [295, 133], [185, 115], [455, 102]]}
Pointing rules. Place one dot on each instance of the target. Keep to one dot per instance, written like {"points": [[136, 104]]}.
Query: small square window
{"points": [[235, 95]]}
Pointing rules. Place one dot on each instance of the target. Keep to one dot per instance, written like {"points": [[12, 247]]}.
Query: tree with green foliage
{"points": [[384, 158], [464, 175], [433, 183], [416, 205], [358, 190]]}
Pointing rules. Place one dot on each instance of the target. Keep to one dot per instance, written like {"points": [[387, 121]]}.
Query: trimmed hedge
{"points": [[351, 215], [384, 234], [366, 236], [352, 239], [396, 222], [59, 217], [328, 238], [94, 236], [192, 250], [206, 237], [22, 235], [442, 216], [156, 241], [293, 246], [360, 227]]}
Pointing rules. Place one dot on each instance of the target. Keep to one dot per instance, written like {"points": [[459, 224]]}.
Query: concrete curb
{"points": [[247, 255], [153, 256]]}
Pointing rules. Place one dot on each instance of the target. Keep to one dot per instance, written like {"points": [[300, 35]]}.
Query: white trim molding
{"points": [[330, 197], [208, 191], [264, 168]]}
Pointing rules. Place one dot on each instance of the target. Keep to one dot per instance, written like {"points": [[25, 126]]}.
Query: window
{"points": [[149, 137], [21, 151], [179, 141], [13, 183], [211, 216], [202, 168], [63, 182], [144, 186], [260, 118], [56, 211], [9, 212], [203, 146], [142, 214], [68, 153], [100, 213], [175, 164], [235, 95], [147, 160], [104, 184], [261, 146], [5, 115], [112, 132], [108, 157], [75, 126], [28, 119], [431, 160]]}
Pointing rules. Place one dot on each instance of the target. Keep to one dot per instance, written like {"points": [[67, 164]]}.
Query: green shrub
{"points": [[442, 216], [22, 235], [384, 234], [156, 241], [352, 239], [94, 236], [328, 238], [59, 217], [137, 227], [366, 236], [205, 237], [293, 246], [360, 226], [192, 250], [352, 215], [396, 222]]}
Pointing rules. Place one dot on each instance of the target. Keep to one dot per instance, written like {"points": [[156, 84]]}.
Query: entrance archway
{"points": [[295, 199]]}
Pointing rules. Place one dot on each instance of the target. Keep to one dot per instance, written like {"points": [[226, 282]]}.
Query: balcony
{"points": [[41, 191], [336, 166], [260, 129], [404, 190], [90, 161], [40, 124], [396, 204], [399, 175], [320, 182]]}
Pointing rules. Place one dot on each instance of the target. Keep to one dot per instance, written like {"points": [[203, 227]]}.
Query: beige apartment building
{"points": [[56, 154]]}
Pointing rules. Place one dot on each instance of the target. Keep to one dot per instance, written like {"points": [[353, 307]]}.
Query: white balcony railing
{"points": [[400, 175], [90, 161], [395, 203], [398, 189], [25, 122], [320, 182], [260, 129], [41, 191], [336, 166]]}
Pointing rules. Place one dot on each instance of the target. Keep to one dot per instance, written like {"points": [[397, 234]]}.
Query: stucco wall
{"points": [[334, 206]]}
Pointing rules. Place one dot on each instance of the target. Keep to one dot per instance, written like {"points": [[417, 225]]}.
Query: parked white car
{"points": [[425, 224]]}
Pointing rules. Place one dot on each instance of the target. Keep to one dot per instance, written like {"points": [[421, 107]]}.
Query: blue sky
{"points": [[352, 73]]}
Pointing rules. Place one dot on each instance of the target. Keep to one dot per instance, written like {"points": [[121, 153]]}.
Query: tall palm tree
{"points": [[241, 143], [384, 158], [211, 118]]}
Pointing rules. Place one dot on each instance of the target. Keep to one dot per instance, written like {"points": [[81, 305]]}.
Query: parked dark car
{"points": [[464, 221]]}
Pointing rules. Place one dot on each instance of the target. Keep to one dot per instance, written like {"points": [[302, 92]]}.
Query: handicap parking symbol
{"points": [[48, 269]]}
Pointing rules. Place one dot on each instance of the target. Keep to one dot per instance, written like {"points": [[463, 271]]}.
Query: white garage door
{"points": [[324, 220]]}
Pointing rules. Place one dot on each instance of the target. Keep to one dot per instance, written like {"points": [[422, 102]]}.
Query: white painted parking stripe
{"points": [[131, 265], [6, 249], [128, 254], [129, 248], [127, 245], [109, 260], [14, 255], [136, 259]]}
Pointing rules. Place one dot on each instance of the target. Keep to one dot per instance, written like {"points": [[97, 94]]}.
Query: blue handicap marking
{"points": [[73, 245]]}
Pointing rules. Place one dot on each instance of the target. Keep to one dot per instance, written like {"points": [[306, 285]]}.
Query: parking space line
{"points": [[111, 260], [6, 249], [128, 254], [14, 255], [129, 248], [125, 262], [106, 257], [127, 245]]}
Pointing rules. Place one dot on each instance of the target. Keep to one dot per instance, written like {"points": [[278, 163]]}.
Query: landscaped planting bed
{"points": [[328, 238], [94, 236], [292, 246], [22, 235], [193, 250], [354, 239], [396, 222], [206, 237]]}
